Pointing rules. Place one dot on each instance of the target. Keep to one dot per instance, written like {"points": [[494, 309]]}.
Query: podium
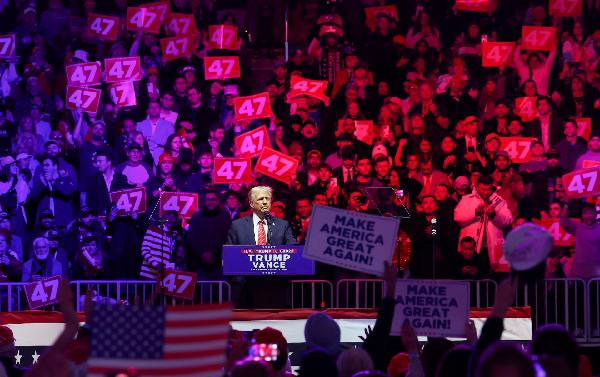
{"points": [[266, 260]]}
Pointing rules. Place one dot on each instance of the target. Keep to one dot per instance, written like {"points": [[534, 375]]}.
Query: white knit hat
{"points": [[527, 246]]}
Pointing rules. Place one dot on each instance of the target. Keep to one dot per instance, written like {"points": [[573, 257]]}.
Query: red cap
{"points": [[166, 157], [6, 336], [269, 335]]}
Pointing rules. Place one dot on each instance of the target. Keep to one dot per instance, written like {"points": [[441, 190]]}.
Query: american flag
{"points": [[173, 341]]}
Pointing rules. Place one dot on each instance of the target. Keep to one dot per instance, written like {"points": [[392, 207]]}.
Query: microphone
{"points": [[270, 223], [433, 226]]}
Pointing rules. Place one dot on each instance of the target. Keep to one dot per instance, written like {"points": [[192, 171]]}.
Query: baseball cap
{"points": [[394, 100], [4, 215], [152, 71], [399, 40], [378, 150], [134, 145], [461, 182], [166, 157], [491, 136], [23, 156], [279, 204], [81, 55], [526, 246], [314, 151], [6, 336], [188, 68], [470, 119], [231, 90], [50, 142], [502, 154], [85, 211], [270, 335]]}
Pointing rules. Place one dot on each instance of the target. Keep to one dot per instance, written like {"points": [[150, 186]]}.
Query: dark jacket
{"points": [[242, 232]]}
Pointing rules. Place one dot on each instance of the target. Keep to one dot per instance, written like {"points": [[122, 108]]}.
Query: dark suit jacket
{"points": [[461, 146], [242, 232], [555, 133], [98, 195]]}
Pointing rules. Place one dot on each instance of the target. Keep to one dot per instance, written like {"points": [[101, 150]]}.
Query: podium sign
{"points": [[266, 260]]}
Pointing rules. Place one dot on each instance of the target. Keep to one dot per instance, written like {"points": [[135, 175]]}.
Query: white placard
{"points": [[437, 308], [351, 240]]}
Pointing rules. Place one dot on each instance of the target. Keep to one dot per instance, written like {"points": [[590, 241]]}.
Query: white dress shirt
{"points": [[255, 220]]}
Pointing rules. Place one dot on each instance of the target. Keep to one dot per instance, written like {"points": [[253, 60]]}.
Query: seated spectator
{"points": [[40, 265], [10, 263]]}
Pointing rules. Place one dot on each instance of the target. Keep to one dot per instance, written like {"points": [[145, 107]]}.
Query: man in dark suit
{"points": [[547, 127], [260, 229], [251, 229]]}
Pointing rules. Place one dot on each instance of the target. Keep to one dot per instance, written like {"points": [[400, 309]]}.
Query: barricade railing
{"points": [[359, 293], [563, 301], [312, 294], [593, 310], [141, 292], [483, 293], [12, 297]]}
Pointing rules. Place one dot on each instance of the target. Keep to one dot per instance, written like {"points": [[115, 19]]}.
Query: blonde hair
{"points": [[258, 189]]}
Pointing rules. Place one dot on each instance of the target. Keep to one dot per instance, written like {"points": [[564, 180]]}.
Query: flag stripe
{"points": [[197, 323], [199, 346], [195, 338], [194, 353], [170, 332], [201, 362], [212, 373], [145, 371], [198, 315]]}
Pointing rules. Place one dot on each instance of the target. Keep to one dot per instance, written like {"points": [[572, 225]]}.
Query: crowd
{"points": [[433, 155]]}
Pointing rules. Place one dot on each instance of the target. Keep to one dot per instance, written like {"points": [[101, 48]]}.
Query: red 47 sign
{"points": [[497, 54], [84, 74], [539, 38], [518, 148], [276, 165], [300, 86], [180, 284], [584, 127], [122, 69], [526, 109], [43, 292], [123, 94], [180, 24], [184, 203], [251, 143], [222, 37], [129, 201], [86, 99], [474, 5], [561, 237], [257, 106], [582, 183], [103, 27], [143, 19], [7, 46], [221, 67], [163, 8], [176, 47], [565, 8], [232, 170]]}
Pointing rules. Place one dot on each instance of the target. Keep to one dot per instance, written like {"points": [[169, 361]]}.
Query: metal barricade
{"points": [[12, 297], [483, 293], [312, 294], [593, 310], [359, 293], [143, 292], [562, 301]]}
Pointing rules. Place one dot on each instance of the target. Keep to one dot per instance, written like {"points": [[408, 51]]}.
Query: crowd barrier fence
{"points": [[574, 303]]}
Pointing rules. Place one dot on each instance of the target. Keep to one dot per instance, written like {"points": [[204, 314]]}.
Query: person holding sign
{"points": [[593, 153], [535, 69], [586, 260]]}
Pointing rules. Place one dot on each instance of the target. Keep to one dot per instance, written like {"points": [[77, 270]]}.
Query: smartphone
{"points": [[484, 38], [264, 351], [333, 181]]}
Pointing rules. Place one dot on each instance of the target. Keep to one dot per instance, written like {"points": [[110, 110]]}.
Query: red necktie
{"points": [[262, 235]]}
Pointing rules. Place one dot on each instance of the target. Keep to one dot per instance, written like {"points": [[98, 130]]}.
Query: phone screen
{"points": [[264, 351]]}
